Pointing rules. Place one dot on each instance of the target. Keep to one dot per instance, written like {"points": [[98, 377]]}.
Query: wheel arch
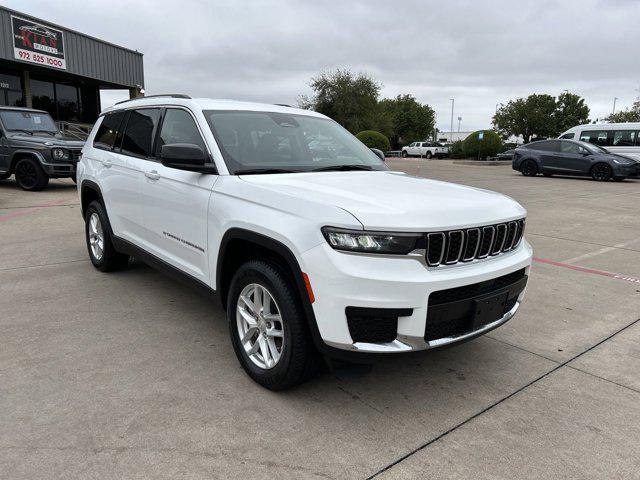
{"points": [[21, 154], [89, 191], [239, 245]]}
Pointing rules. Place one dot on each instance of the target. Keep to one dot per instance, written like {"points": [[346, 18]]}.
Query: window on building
{"points": [[68, 102], [11, 90], [106, 134], [139, 132], [43, 96]]}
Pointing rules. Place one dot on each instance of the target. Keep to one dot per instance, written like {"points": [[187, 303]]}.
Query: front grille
{"points": [[374, 325], [455, 246], [451, 312]]}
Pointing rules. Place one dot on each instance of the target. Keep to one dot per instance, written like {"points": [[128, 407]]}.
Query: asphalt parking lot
{"points": [[132, 375]]}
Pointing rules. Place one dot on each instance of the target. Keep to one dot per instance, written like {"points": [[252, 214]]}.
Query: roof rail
{"points": [[169, 95]]}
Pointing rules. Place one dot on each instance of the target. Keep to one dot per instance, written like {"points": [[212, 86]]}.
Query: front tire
{"points": [[102, 253], [428, 155], [601, 172], [529, 168], [30, 176], [268, 327]]}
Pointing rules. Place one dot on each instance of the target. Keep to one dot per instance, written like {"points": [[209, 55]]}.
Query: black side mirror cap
{"points": [[186, 156], [379, 153]]}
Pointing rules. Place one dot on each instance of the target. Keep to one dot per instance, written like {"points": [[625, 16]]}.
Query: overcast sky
{"points": [[480, 53]]}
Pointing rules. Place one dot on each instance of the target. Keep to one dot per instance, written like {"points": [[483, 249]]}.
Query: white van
{"points": [[620, 138]]}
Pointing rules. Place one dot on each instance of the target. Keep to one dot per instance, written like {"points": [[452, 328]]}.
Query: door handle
{"points": [[153, 175], [107, 163]]}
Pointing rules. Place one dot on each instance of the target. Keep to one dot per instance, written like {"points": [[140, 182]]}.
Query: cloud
{"points": [[481, 53]]}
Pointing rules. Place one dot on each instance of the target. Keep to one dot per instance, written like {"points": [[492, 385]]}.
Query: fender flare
{"points": [[283, 251]]}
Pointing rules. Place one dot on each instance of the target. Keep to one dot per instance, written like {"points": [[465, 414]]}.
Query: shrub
{"points": [[456, 150], [373, 139], [489, 146]]}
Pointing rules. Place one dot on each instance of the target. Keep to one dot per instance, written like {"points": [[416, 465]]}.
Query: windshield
{"points": [[268, 142], [18, 121]]}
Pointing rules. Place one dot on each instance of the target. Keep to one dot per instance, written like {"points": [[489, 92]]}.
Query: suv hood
{"points": [[47, 140], [386, 200]]}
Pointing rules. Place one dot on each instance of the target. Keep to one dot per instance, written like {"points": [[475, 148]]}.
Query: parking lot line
{"points": [[578, 268], [30, 210]]}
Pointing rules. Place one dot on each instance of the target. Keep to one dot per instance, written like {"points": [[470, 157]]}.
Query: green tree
{"points": [[373, 139], [350, 99], [410, 120], [629, 115], [540, 115], [571, 110]]}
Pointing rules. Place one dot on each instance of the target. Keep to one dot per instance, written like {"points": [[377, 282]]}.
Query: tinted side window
{"points": [[178, 126], [139, 132], [106, 134], [568, 147], [624, 138], [597, 137], [544, 146], [569, 136]]}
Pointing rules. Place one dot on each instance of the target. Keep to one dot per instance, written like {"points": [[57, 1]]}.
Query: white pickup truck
{"points": [[425, 149]]}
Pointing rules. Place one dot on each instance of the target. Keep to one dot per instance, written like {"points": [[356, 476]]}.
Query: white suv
{"points": [[313, 245]]}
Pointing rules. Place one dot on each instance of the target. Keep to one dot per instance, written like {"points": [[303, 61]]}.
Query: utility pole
{"points": [[614, 105], [451, 134], [459, 120]]}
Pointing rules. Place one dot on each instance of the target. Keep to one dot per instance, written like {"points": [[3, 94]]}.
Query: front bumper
{"points": [[340, 280], [627, 170]]}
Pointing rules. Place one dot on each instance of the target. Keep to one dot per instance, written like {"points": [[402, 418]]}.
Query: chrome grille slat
{"points": [[455, 246], [433, 239], [470, 253]]}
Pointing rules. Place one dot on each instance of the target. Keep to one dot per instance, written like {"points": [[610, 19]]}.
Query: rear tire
{"points": [[601, 172], [30, 176], [102, 253], [404, 154], [428, 155], [529, 168], [296, 360]]}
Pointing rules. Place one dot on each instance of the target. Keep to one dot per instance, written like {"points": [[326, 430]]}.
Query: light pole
{"points": [[451, 134], [459, 120], [614, 105]]}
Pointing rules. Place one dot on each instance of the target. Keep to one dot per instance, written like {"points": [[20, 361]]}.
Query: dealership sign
{"points": [[37, 43]]}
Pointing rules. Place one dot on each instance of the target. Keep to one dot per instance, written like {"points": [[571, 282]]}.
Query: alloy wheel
{"points": [[96, 236], [26, 174], [601, 172], [260, 327], [529, 168]]}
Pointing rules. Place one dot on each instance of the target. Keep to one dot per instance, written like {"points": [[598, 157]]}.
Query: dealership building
{"points": [[53, 68]]}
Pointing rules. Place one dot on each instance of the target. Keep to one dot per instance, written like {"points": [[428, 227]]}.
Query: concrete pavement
{"points": [[131, 375]]}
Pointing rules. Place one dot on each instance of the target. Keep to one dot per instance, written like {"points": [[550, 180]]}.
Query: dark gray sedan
{"points": [[569, 157]]}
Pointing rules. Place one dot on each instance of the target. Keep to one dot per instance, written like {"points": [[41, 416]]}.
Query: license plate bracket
{"points": [[489, 309]]}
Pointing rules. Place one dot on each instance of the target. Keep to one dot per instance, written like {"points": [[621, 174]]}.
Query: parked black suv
{"points": [[33, 149]]}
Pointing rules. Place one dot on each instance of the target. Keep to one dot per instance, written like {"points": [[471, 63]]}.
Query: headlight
{"points": [[623, 161], [371, 242], [60, 154]]}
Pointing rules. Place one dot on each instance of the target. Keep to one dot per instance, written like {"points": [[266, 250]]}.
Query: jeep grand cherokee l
{"points": [[33, 149], [313, 251]]}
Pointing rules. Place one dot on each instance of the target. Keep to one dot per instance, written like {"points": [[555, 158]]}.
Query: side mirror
{"points": [[379, 153], [185, 156]]}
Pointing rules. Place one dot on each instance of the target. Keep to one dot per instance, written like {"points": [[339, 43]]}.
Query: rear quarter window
{"points": [[108, 130]]}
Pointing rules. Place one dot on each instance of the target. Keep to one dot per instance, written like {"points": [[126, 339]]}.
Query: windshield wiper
{"points": [[342, 168], [45, 131], [257, 171], [21, 130]]}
